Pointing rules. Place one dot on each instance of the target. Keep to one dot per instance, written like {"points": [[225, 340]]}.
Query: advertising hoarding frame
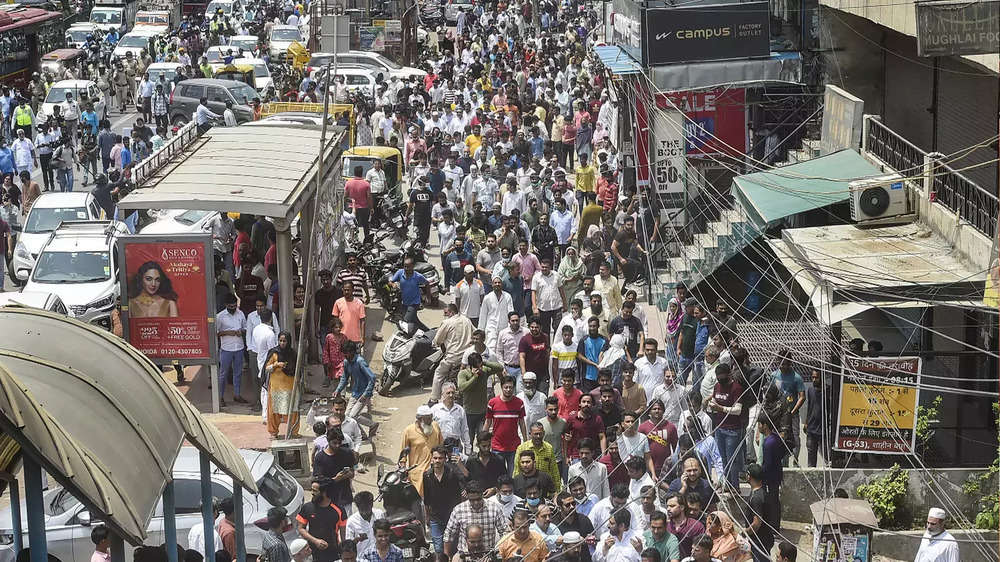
{"points": [[706, 33], [879, 374], [205, 243]]}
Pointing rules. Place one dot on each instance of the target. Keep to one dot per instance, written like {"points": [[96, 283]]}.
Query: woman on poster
{"points": [[279, 368], [150, 293]]}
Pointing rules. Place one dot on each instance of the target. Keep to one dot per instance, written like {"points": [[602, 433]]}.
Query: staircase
{"points": [[723, 236]]}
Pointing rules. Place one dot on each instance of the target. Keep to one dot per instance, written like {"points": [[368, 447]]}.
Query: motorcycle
{"points": [[403, 507], [409, 354]]}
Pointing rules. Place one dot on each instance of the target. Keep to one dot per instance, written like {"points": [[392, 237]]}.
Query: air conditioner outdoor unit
{"points": [[878, 198]]}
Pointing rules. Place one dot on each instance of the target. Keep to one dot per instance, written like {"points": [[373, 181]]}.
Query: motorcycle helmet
{"points": [[101, 179]]}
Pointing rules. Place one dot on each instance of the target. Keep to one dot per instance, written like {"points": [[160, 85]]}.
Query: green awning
{"points": [[773, 195]]}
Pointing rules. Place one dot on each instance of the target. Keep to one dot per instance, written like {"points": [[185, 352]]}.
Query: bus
{"points": [[25, 35]]}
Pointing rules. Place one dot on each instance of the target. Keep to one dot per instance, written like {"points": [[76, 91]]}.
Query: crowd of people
{"points": [[556, 425]]}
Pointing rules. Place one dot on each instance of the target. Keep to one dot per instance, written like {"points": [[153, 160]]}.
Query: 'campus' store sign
{"points": [[706, 33]]}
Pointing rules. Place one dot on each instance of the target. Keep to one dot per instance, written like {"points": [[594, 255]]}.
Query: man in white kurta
{"points": [[937, 545]]}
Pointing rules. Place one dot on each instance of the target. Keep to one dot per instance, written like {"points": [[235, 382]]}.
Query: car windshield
{"points": [[134, 41], [167, 73], [388, 63], [152, 19], [42, 219], [320, 60], [105, 16], [214, 7], [243, 93], [72, 267], [58, 95], [286, 35], [191, 217], [77, 35], [61, 502], [261, 71], [245, 44], [277, 487]]}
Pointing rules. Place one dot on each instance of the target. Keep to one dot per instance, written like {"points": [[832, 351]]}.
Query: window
{"points": [[193, 91], [187, 495], [357, 80], [217, 94]]}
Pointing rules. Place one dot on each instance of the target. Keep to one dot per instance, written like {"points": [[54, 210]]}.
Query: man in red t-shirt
{"points": [[360, 192], [662, 434], [583, 423], [504, 418], [533, 353], [568, 394]]}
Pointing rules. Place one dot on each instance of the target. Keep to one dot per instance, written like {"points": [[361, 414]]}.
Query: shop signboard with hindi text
{"points": [[715, 120], [878, 405], [168, 298]]}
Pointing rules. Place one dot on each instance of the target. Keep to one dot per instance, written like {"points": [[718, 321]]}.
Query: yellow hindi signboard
{"points": [[878, 404]]}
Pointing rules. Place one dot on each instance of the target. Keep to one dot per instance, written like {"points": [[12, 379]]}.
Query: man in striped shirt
{"points": [[356, 276]]}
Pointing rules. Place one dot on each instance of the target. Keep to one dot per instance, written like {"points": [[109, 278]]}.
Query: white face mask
{"points": [[505, 498]]}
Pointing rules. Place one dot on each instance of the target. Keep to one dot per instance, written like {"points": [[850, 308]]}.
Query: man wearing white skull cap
{"points": [[937, 545]]}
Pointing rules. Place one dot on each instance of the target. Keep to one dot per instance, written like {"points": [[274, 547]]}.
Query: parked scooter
{"points": [[403, 507], [409, 354]]}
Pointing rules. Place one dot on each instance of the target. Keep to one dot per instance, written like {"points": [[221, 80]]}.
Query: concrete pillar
{"points": [[36, 510], [15, 515], [206, 506], [117, 547], [286, 291], [308, 247], [170, 522], [241, 546]]}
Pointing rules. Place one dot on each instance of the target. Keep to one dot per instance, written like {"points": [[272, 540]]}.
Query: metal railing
{"points": [[958, 193], [148, 167]]}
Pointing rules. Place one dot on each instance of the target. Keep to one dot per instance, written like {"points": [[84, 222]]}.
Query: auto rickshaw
{"points": [[239, 72], [365, 156], [56, 62]]}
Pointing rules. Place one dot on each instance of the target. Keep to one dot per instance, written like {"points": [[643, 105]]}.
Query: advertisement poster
{"points": [[716, 120], [167, 308], [878, 404], [668, 160], [372, 38], [706, 33]]}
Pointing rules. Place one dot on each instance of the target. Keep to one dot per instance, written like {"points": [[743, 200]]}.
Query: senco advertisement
{"points": [[705, 33]]}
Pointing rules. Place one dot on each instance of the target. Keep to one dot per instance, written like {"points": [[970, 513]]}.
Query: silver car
{"points": [[68, 522]]}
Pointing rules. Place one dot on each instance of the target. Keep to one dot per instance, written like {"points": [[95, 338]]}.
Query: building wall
{"points": [[881, 66]]}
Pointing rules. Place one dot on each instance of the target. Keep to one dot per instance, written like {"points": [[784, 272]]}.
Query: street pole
{"points": [[308, 269], [536, 18]]}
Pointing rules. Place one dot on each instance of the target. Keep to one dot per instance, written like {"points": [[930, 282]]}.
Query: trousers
{"points": [[230, 360]]}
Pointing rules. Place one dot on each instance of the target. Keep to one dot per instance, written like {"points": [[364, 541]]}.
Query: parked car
{"points": [[134, 42], [249, 43], [79, 263], [375, 61], [187, 95], [453, 7], [76, 35], [68, 521], [261, 72], [280, 38], [48, 211], [175, 221], [82, 90], [35, 299], [356, 78]]}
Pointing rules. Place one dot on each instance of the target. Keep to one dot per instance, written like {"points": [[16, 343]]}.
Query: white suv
{"points": [[79, 264], [47, 212]]}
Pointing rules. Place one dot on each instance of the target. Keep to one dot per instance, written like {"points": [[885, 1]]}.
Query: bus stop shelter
{"points": [[260, 169], [101, 420]]}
